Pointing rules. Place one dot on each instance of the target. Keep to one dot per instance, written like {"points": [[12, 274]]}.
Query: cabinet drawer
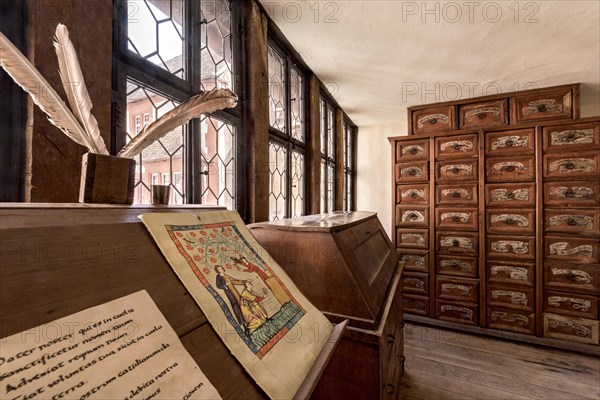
{"points": [[486, 114], [414, 260], [457, 312], [581, 165], [571, 328], [571, 304], [511, 221], [456, 218], [457, 194], [415, 282], [572, 194], [412, 304], [510, 143], [572, 277], [456, 266], [464, 243], [511, 320], [572, 137], [463, 146], [436, 119], [510, 248], [456, 171], [510, 169], [510, 195], [511, 273], [571, 249], [577, 221], [412, 150], [417, 171], [412, 238], [412, 216], [556, 104], [513, 298], [412, 194], [458, 289]]}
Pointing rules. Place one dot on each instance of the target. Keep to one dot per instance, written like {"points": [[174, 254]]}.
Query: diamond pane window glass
{"points": [[277, 103], [330, 187], [278, 181], [163, 157], [323, 186], [323, 126], [348, 193], [156, 33], [297, 104], [216, 57], [297, 184], [217, 163], [330, 132]]}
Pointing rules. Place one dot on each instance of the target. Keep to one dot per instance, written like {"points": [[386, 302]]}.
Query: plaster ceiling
{"points": [[379, 57]]}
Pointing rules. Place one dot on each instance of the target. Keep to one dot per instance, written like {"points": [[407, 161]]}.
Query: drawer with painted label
{"points": [[412, 238], [576, 166], [574, 329], [459, 289], [415, 282], [510, 169], [457, 266], [500, 220], [554, 104], [456, 171], [456, 194], [465, 243], [413, 304], [436, 119], [483, 115], [414, 260], [463, 313], [572, 249], [457, 218], [510, 195], [572, 193], [412, 216], [412, 150], [509, 297], [509, 273], [572, 137], [510, 248], [571, 304], [572, 277], [417, 171], [586, 222], [511, 320], [412, 194], [510, 143], [463, 146]]}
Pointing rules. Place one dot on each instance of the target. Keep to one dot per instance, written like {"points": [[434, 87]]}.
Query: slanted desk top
{"points": [[331, 222]]}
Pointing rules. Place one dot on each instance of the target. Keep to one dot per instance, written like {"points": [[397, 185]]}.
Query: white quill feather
{"points": [[207, 102], [75, 88], [29, 78]]}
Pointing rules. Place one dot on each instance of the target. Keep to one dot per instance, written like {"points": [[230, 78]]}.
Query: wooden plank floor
{"points": [[443, 364]]}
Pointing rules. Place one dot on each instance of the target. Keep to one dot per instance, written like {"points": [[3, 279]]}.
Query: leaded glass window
{"points": [[278, 171], [349, 143], [327, 155]]}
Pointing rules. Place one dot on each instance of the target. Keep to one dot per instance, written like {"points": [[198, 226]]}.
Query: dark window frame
{"points": [[325, 157]]}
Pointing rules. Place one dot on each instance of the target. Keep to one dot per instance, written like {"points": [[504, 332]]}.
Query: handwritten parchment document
{"points": [[123, 349], [255, 308]]}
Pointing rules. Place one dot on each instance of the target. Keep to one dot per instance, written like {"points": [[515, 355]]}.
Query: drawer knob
{"points": [[509, 168], [456, 170], [413, 195], [455, 219], [412, 172], [455, 265], [542, 108], [413, 150], [510, 143], [510, 221], [570, 137], [455, 242], [570, 193], [511, 195], [482, 115], [413, 216], [570, 165], [571, 222], [390, 389], [390, 339], [457, 146], [433, 121], [571, 276], [456, 194]]}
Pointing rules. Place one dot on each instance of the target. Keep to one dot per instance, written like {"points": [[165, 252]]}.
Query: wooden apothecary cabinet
{"points": [[348, 268]]}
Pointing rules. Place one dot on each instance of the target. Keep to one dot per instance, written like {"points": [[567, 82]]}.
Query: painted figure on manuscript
{"points": [[250, 267], [227, 284], [254, 313]]}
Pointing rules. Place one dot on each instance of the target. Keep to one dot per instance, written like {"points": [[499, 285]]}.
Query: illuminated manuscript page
{"points": [[123, 349], [255, 308]]}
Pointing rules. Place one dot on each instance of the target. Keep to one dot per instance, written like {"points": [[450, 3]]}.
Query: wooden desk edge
{"points": [[312, 378]]}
